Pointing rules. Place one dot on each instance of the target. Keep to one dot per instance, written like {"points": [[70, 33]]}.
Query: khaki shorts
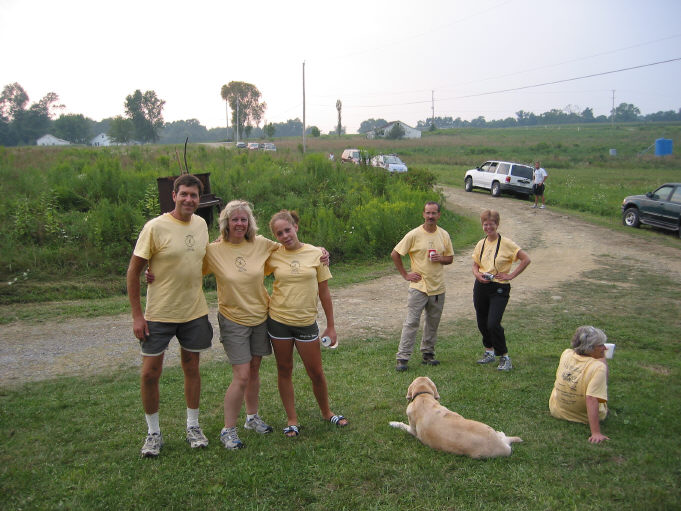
{"points": [[241, 343]]}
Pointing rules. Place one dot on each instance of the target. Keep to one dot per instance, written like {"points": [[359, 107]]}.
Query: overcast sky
{"points": [[382, 59]]}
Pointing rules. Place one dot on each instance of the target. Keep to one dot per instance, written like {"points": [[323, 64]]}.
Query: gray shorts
{"points": [[195, 335], [280, 331], [241, 343]]}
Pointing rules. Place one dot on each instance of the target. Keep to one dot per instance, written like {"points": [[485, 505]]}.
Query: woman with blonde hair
{"points": [[300, 282], [493, 259]]}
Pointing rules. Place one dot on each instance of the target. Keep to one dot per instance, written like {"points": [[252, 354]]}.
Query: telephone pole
{"points": [[612, 117], [432, 103], [303, 107]]}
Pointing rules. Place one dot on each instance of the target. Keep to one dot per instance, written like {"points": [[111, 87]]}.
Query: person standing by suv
{"points": [[429, 248], [540, 176]]}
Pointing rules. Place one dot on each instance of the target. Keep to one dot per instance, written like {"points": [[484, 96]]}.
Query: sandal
{"points": [[291, 431], [336, 419]]}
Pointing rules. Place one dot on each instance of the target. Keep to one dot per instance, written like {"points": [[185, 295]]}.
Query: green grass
{"points": [[73, 443]]}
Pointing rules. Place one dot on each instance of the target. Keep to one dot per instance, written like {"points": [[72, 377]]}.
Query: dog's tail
{"points": [[513, 439]]}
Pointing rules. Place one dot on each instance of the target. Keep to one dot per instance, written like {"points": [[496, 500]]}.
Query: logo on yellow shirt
{"points": [[189, 241], [240, 263], [295, 267]]}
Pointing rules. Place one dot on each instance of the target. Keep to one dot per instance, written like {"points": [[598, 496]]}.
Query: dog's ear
{"points": [[436, 394], [410, 392]]}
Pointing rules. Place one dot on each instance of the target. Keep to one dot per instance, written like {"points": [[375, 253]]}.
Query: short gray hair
{"points": [[586, 339]]}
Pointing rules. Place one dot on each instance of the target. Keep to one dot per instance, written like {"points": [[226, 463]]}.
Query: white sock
{"points": [[192, 417], [152, 423], [249, 416]]}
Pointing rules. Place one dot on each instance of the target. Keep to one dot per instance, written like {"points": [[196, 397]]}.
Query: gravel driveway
{"points": [[561, 247]]}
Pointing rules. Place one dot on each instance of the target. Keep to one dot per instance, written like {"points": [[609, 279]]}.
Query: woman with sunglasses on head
{"points": [[493, 258], [300, 282]]}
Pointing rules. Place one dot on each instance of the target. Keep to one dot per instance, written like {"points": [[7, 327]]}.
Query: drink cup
{"points": [[431, 252], [609, 350]]}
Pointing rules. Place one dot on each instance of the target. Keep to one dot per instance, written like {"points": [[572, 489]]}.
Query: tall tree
{"points": [[244, 97], [269, 130], [73, 127], [339, 107], [371, 124], [626, 112], [13, 100], [146, 113], [121, 130]]}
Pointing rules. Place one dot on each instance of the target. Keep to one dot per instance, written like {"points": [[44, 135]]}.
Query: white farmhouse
{"points": [[51, 140], [102, 140], [409, 132]]}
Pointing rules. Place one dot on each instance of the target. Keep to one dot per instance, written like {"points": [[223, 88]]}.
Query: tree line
{"points": [[22, 123], [624, 112]]}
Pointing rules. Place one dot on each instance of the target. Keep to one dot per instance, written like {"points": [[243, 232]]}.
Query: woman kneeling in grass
{"points": [[300, 280], [580, 393]]}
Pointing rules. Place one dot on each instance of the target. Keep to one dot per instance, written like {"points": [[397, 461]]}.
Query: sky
{"points": [[395, 60]]}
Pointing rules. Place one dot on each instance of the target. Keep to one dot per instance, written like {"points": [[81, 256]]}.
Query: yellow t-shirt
{"points": [[295, 292], [507, 255], [239, 271], [417, 243], [578, 376], [175, 251]]}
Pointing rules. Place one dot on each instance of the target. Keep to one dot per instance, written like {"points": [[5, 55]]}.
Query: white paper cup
{"points": [[609, 350]]}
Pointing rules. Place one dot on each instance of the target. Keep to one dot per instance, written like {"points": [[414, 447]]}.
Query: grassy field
{"points": [[73, 443]]}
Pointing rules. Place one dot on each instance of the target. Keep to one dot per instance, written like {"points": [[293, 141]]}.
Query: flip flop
{"points": [[336, 419], [291, 429]]}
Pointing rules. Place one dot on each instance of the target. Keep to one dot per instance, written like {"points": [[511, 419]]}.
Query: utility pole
{"points": [[612, 117], [237, 119], [227, 117], [432, 102], [303, 107]]}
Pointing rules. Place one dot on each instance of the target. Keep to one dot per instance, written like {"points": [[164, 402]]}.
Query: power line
{"points": [[501, 91]]}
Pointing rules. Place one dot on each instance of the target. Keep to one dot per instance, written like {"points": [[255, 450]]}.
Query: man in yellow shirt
{"points": [[429, 248], [174, 244]]}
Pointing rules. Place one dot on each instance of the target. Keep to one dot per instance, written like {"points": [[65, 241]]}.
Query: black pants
{"points": [[490, 302]]}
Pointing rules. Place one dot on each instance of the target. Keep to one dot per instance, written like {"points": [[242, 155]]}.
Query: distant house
{"points": [[409, 132], [102, 140], [51, 140]]}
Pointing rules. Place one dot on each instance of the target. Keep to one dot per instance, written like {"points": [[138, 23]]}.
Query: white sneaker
{"points": [[505, 364], [230, 439], [152, 445], [533, 206], [258, 425], [542, 207], [196, 438]]}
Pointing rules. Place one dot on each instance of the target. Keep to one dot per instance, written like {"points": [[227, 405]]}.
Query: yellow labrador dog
{"points": [[442, 429]]}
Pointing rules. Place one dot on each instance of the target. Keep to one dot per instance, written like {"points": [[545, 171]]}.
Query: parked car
{"points": [[390, 162], [661, 208], [254, 146], [241, 145], [269, 146], [351, 156], [500, 176]]}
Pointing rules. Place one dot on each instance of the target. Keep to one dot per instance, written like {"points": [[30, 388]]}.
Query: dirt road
{"points": [[561, 247]]}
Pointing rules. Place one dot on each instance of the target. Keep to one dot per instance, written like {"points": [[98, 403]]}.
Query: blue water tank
{"points": [[663, 146]]}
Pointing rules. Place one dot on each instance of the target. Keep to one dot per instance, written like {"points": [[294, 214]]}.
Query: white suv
{"points": [[500, 176]]}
